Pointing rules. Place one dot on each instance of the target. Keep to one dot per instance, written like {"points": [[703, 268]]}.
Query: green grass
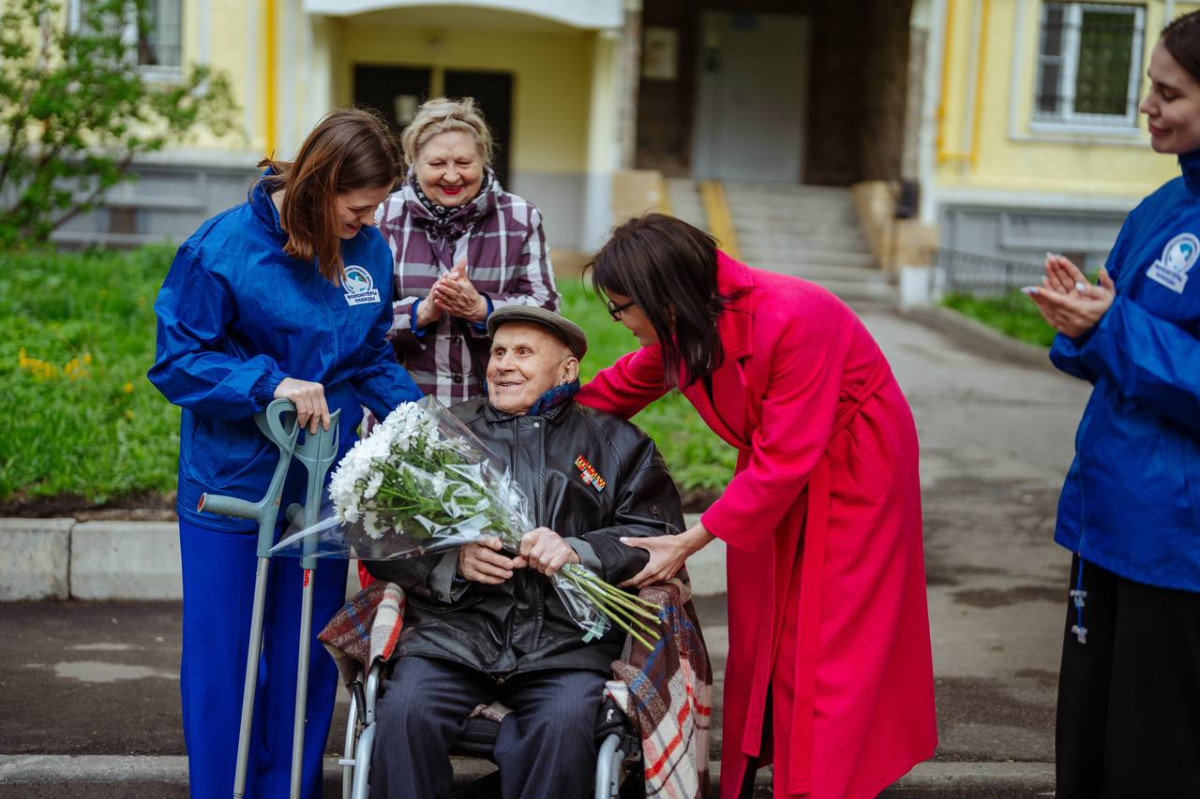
{"points": [[76, 338], [1013, 314], [81, 419]]}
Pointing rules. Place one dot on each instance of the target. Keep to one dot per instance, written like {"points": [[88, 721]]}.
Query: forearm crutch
{"points": [[317, 453], [278, 424]]}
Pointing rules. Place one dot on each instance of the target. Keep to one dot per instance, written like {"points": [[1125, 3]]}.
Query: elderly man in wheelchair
{"points": [[483, 624]]}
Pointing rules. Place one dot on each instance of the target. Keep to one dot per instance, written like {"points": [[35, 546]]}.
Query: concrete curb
{"points": [[105, 560], [979, 337], [118, 777]]}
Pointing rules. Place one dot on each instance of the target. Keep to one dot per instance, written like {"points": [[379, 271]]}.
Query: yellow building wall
{"points": [[991, 147], [552, 78]]}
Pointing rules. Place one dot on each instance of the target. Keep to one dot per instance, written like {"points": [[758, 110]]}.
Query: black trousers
{"points": [[1129, 698], [546, 747]]}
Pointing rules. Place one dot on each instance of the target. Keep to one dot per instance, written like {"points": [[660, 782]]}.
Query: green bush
{"points": [[1013, 314], [77, 336]]}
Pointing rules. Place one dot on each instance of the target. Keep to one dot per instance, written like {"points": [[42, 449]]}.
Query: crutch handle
{"points": [[227, 506], [278, 423]]}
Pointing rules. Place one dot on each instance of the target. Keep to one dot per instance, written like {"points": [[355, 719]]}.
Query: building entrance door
{"points": [[752, 92], [395, 92], [493, 94]]}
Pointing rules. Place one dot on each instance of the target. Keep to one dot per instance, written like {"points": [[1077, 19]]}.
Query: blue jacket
{"points": [[236, 315], [1131, 502]]}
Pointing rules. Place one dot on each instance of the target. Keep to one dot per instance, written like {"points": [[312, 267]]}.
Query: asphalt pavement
{"points": [[89, 690]]}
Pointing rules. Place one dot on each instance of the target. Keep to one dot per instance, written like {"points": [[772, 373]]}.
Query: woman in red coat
{"points": [[829, 675]]}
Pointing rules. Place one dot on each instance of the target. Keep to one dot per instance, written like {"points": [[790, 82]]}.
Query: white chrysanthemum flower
{"points": [[372, 525], [374, 483]]}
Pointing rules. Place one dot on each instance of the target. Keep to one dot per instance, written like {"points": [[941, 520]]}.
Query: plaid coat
{"points": [[501, 239]]}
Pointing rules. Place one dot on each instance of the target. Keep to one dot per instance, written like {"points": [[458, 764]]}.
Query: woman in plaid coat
{"points": [[462, 247]]}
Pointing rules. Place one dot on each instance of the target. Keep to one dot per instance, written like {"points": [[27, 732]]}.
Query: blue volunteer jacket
{"points": [[1131, 501], [236, 315]]}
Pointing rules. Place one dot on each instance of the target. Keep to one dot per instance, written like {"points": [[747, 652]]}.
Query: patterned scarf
{"points": [[445, 223], [554, 397]]}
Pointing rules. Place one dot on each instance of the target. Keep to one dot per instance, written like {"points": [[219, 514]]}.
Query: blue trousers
{"points": [[546, 747], [218, 596]]}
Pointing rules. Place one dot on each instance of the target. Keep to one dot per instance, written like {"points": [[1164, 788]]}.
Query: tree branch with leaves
{"points": [[76, 110]]}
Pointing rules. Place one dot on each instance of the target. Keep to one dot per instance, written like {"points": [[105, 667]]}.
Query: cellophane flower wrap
{"points": [[422, 483]]}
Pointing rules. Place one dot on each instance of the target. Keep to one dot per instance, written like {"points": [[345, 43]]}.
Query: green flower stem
{"points": [[629, 630], [633, 612], [617, 596], [623, 595], [615, 611]]}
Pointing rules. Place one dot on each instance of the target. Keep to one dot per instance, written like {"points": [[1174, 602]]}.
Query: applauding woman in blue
{"points": [[287, 295], [1129, 689]]}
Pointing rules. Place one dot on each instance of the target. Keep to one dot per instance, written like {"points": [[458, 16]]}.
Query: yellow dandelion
{"points": [[87, 357], [22, 360], [127, 388]]}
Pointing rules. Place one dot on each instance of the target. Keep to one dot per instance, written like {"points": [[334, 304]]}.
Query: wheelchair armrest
{"points": [[610, 719]]}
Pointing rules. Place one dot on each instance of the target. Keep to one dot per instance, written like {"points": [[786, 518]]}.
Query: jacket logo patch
{"points": [[1179, 256], [359, 286], [589, 475]]}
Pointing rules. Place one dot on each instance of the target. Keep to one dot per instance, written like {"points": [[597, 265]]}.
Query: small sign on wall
{"points": [[660, 53]]}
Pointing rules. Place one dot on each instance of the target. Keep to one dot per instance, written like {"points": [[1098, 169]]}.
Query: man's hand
{"points": [[309, 399], [483, 563], [546, 551]]}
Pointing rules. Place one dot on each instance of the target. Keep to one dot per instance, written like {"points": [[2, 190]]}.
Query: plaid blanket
{"points": [[366, 628], [667, 692]]}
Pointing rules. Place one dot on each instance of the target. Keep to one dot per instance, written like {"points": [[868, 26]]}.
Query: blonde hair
{"points": [[442, 115]]}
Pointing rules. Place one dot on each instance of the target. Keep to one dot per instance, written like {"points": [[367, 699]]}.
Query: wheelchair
{"points": [[669, 688], [618, 763]]}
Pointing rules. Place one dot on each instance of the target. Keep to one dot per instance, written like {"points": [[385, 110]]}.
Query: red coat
{"points": [[822, 520]]}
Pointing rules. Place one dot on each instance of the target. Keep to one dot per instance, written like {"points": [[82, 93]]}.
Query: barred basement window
{"points": [[1090, 64]]}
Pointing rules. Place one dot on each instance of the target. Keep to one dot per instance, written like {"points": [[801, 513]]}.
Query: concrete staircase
{"points": [[808, 231], [684, 197]]}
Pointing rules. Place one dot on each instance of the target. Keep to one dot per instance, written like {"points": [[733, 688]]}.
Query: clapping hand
{"points": [[453, 293], [1065, 299]]}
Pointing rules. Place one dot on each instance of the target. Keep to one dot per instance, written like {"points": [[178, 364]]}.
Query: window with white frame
{"points": [[1090, 64], [156, 46]]}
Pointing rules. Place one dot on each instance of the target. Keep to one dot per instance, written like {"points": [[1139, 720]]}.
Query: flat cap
{"points": [[571, 334]]}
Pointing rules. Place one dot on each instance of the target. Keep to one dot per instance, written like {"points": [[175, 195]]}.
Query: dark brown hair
{"points": [[1182, 40], [348, 150], [668, 268]]}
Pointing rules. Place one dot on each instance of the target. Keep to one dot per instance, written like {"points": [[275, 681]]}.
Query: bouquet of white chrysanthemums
{"points": [[421, 483]]}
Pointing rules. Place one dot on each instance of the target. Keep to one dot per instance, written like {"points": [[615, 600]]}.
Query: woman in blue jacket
{"points": [[287, 295], [1129, 688]]}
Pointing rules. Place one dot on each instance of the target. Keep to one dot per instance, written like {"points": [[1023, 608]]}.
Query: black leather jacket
{"points": [[523, 625]]}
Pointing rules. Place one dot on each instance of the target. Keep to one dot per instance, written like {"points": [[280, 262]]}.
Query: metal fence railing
{"points": [[982, 275]]}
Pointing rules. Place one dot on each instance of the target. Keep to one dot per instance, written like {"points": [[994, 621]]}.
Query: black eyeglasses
{"points": [[615, 310]]}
